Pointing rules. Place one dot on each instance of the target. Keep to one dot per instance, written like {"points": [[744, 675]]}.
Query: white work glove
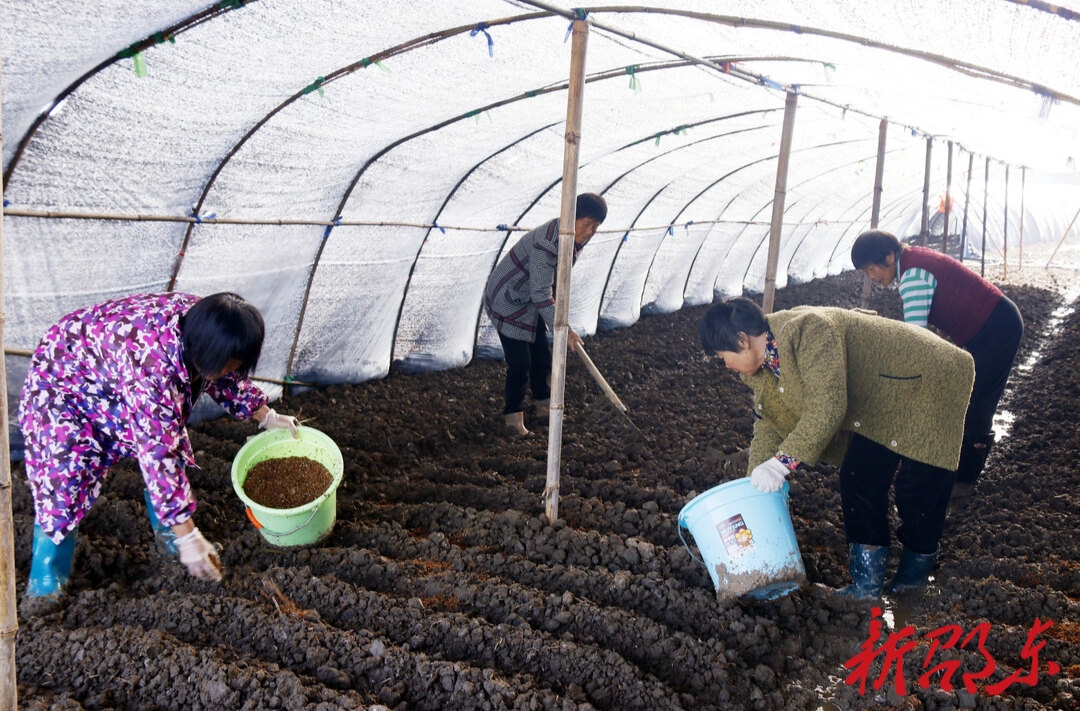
{"points": [[199, 556], [274, 421], [769, 475]]}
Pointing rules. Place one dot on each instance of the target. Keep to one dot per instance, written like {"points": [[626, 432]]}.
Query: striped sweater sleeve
{"points": [[917, 292]]}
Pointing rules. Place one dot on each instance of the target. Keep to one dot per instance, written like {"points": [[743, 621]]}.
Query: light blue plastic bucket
{"points": [[746, 541]]}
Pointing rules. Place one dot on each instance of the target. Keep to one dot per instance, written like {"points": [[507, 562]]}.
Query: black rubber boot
{"points": [[913, 571], [867, 570], [973, 454]]}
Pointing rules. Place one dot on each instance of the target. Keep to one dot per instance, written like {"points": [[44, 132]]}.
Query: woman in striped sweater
{"points": [[941, 292]]}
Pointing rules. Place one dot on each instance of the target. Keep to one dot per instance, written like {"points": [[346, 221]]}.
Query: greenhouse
{"points": [[359, 173]]}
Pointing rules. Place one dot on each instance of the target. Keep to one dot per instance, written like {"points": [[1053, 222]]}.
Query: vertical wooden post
{"points": [[10, 625], [1023, 181], [875, 210], [567, 217], [924, 231], [948, 196], [986, 199], [967, 201], [777, 228], [1005, 243]]}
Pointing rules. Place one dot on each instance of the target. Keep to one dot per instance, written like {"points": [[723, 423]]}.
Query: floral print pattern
{"points": [[107, 382]]}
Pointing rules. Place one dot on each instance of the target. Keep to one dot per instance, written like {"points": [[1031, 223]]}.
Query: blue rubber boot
{"points": [[867, 570], [51, 568], [913, 571], [163, 535]]}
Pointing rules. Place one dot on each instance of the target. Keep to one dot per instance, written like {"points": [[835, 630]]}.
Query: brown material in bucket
{"points": [[286, 482]]}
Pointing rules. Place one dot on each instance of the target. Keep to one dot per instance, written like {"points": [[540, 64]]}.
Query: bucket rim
{"points": [[740, 483], [264, 438]]}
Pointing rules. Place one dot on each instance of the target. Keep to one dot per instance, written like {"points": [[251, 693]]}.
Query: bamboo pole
{"points": [[875, 210], [924, 230], [17, 212], [1005, 241], [567, 216], [777, 228], [986, 199], [10, 625], [1023, 181], [948, 195], [967, 200], [1060, 241]]}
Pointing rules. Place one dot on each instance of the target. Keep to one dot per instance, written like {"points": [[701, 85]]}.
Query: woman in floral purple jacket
{"points": [[119, 379]]}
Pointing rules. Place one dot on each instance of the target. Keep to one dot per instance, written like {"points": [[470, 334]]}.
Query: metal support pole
{"points": [[567, 217], [10, 625], [1005, 243], [986, 199], [1023, 181], [775, 232], [948, 197], [1062, 240], [875, 210], [924, 231], [967, 201]]}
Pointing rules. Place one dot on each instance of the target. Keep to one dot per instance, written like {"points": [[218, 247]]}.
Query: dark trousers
{"points": [[526, 364], [922, 495], [994, 349]]}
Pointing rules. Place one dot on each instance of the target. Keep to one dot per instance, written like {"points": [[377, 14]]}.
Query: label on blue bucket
{"points": [[737, 537]]}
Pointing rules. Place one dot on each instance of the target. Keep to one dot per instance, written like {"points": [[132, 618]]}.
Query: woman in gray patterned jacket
{"points": [[520, 299]]}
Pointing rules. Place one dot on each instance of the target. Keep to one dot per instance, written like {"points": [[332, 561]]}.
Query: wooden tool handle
{"points": [[595, 373]]}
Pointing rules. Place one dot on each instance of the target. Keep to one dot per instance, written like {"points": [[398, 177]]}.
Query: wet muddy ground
{"points": [[443, 586]]}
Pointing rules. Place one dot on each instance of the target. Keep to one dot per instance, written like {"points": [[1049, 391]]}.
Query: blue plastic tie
{"points": [[771, 84], [336, 221], [482, 27], [579, 14], [688, 225], [625, 236], [199, 219], [671, 229], [436, 226], [504, 228], [6, 203], [796, 29]]}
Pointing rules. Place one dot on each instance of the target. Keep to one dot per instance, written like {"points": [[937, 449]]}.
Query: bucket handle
{"points": [[265, 531], [688, 550]]}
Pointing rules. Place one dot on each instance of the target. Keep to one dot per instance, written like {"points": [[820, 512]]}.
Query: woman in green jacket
{"points": [[879, 398]]}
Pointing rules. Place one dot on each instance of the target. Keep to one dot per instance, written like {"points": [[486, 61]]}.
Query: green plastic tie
{"points": [[380, 66], [288, 379], [1069, 162], [635, 83], [711, 97], [234, 4], [128, 52], [314, 86], [658, 138], [829, 69], [162, 38], [531, 94], [843, 114], [140, 65], [365, 62]]}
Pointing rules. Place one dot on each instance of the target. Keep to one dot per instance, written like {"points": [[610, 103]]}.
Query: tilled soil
{"points": [[443, 586]]}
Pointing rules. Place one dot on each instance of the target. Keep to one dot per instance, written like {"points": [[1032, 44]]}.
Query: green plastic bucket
{"points": [[301, 525]]}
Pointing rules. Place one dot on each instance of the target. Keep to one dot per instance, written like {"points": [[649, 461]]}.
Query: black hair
{"points": [[874, 247], [591, 205], [725, 321], [220, 328]]}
